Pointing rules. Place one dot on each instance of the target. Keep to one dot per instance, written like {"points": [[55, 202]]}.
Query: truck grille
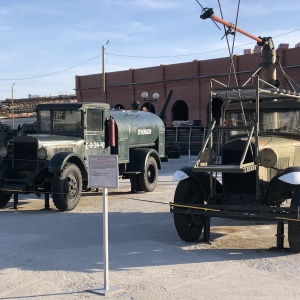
{"points": [[238, 183], [25, 155]]}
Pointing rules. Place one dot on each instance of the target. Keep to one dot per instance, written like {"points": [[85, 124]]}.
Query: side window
{"points": [[95, 120], [45, 121]]}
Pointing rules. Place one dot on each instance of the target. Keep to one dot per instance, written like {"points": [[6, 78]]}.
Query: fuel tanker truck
{"points": [[55, 159], [252, 170]]}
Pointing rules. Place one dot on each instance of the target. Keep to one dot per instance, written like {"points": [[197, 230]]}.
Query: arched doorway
{"points": [[148, 107], [119, 106], [180, 111]]}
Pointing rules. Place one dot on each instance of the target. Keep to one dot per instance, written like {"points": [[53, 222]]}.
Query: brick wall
{"points": [[189, 81]]}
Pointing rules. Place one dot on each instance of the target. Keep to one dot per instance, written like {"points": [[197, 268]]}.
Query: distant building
{"points": [[248, 51], [283, 46]]}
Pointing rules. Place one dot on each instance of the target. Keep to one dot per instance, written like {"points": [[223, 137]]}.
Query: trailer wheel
{"points": [[189, 226], [4, 199], [67, 187], [148, 180], [294, 227], [134, 181]]}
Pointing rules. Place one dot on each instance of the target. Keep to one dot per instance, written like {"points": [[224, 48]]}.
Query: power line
{"points": [[192, 54], [132, 56], [48, 74]]}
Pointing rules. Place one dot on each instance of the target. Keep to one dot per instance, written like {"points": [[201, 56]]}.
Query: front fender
{"points": [[290, 175], [202, 177], [282, 185], [60, 159]]}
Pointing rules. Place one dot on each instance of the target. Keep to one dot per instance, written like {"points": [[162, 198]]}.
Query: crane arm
{"points": [[209, 13]]}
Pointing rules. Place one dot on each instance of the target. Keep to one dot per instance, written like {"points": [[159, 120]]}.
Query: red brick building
{"points": [[189, 82]]}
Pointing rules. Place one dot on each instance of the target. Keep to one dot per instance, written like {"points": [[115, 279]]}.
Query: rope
{"points": [[218, 210]]}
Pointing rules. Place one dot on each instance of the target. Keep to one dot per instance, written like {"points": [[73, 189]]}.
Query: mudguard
{"points": [[202, 177], [138, 159], [282, 185], [60, 159]]}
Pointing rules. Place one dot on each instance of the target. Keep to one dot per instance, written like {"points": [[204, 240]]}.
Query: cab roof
{"points": [[70, 105]]}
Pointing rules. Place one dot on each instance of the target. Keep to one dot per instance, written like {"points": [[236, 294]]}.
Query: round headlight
{"points": [[268, 157], [42, 153], [3, 151]]}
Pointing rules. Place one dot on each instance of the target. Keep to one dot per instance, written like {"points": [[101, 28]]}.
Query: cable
{"points": [[38, 76], [133, 56]]}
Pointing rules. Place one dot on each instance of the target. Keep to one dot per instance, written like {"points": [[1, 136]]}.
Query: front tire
{"points": [[189, 226], [4, 199], [294, 226], [67, 187], [148, 179]]}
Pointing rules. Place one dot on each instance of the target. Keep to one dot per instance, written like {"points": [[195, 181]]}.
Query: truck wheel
{"points": [[148, 180], [134, 181], [67, 187], [189, 226], [4, 199], [294, 226]]}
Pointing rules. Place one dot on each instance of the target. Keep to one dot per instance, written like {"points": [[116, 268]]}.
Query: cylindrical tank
{"points": [[138, 127]]}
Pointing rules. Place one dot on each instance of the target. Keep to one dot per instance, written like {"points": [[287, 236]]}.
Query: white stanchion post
{"points": [[103, 172]]}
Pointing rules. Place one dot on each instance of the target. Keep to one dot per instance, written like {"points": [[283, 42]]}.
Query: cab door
{"points": [[95, 132]]}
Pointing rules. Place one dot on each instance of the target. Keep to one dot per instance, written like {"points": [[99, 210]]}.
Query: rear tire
{"points": [[67, 187], [294, 226], [189, 226], [4, 199], [148, 180]]}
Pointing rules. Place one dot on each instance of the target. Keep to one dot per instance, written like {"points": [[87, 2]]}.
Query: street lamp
{"points": [[12, 106], [155, 97]]}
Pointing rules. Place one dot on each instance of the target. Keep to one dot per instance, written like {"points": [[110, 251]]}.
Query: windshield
{"points": [[59, 120], [282, 121]]}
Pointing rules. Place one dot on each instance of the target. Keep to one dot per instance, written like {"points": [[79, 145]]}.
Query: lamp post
{"points": [[12, 105], [155, 97]]}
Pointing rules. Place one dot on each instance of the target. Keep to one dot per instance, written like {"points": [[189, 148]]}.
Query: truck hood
{"points": [[52, 143], [277, 142]]}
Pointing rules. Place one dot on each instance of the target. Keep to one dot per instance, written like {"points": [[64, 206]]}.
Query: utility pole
{"points": [[103, 74], [12, 106]]}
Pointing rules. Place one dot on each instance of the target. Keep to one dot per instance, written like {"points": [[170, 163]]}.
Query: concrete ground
{"points": [[59, 255]]}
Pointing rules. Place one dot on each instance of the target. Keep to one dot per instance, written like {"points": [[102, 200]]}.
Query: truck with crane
{"points": [[257, 154]]}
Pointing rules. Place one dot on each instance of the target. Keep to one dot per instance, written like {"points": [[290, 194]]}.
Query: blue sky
{"points": [[65, 38]]}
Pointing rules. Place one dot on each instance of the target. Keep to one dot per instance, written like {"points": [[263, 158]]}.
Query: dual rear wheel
{"points": [[147, 180]]}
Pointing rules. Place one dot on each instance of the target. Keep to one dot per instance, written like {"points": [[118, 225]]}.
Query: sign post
{"points": [[104, 173]]}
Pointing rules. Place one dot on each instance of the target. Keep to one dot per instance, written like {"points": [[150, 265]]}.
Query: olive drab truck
{"points": [[256, 154], [54, 161]]}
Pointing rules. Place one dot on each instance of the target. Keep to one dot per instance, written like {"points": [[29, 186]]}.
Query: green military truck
{"points": [[55, 159], [6, 134], [256, 156]]}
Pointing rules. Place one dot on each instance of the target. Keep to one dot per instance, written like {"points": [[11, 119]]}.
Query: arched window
{"points": [[180, 111]]}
